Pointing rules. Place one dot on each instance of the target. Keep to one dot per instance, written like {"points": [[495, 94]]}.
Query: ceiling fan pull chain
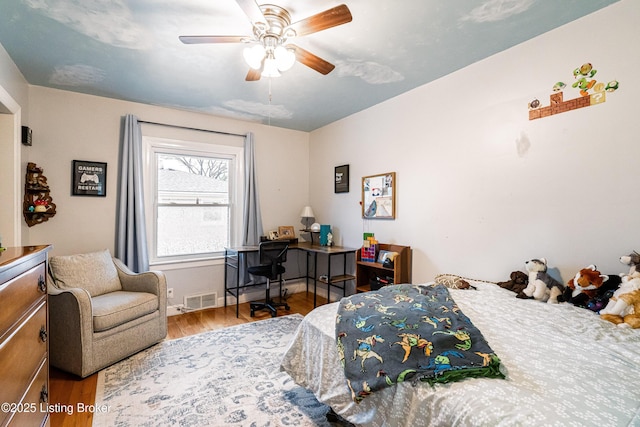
{"points": [[269, 119]]}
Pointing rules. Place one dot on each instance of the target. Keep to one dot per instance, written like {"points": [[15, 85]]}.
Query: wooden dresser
{"points": [[24, 363]]}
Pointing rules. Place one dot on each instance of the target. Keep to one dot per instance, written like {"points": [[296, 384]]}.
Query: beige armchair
{"points": [[101, 312]]}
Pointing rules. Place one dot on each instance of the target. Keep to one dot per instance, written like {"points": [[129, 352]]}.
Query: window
{"points": [[193, 203]]}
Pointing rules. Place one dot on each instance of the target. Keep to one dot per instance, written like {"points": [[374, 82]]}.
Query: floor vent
{"points": [[198, 302]]}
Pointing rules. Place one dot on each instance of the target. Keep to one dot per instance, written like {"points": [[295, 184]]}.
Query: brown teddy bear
{"points": [[517, 282]]}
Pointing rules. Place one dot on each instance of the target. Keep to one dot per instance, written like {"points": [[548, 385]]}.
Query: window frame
{"points": [[156, 145]]}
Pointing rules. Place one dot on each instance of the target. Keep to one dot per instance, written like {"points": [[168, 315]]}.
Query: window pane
{"points": [[189, 230], [190, 179], [193, 215]]}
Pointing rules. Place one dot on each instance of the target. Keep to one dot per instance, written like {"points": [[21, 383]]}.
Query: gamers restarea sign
{"points": [[89, 178]]}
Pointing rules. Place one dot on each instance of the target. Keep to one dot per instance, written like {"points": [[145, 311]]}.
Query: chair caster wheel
{"points": [[253, 313]]}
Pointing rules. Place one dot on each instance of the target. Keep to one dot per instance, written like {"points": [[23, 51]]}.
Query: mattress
{"points": [[564, 366]]}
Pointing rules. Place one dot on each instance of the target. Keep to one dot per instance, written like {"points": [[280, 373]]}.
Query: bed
{"points": [[564, 366]]}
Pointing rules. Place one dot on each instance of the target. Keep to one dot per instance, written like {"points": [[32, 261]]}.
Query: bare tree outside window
{"points": [[213, 168]]}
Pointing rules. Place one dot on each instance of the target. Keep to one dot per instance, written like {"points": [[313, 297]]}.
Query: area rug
{"points": [[227, 377]]}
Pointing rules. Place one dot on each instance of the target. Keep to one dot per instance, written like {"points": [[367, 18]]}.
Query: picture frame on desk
{"points": [[286, 232]]}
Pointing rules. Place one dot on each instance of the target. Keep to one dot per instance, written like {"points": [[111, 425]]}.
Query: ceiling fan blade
{"points": [[253, 75], [312, 61], [252, 10], [329, 18], [213, 39]]}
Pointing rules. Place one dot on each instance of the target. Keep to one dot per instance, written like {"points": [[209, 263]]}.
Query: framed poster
{"points": [[89, 178], [379, 196], [342, 179]]}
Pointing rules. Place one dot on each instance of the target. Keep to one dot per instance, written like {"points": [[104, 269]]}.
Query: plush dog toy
{"points": [[541, 286], [632, 260], [623, 308], [590, 289], [517, 282]]}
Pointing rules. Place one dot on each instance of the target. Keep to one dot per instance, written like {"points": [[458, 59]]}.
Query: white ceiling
{"points": [[129, 49]]}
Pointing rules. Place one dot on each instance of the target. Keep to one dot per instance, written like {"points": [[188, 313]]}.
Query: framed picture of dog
{"points": [[89, 178]]}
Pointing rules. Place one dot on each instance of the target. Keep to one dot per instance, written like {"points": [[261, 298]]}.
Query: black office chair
{"points": [[272, 255]]}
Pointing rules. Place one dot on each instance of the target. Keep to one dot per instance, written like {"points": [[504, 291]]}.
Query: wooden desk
{"points": [[337, 281], [236, 258]]}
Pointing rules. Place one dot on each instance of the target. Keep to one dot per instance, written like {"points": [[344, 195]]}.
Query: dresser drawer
{"points": [[22, 354], [20, 293], [34, 408]]}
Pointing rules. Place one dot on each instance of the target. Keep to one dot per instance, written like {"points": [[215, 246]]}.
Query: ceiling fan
{"points": [[270, 52]]}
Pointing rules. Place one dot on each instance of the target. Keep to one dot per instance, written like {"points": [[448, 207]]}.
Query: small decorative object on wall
{"points": [[38, 205], [342, 179], [584, 82], [379, 196], [89, 178], [286, 232]]}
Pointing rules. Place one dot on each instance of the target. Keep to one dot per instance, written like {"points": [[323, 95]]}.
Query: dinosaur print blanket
{"points": [[408, 332]]}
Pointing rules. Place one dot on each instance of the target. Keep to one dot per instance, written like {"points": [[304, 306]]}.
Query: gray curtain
{"points": [[252, 219], [131, 236]]}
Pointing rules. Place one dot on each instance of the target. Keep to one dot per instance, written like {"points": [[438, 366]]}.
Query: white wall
{"points": [[68, 126], [481, 188], [13, 86], [10, 202], [13, 98]]}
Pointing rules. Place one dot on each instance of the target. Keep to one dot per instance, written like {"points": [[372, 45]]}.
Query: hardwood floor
{"points": [[69, 392]]}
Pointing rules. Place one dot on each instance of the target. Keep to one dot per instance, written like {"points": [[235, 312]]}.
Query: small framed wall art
{"points": [[379, 196], [89, 178], [342, 179]]}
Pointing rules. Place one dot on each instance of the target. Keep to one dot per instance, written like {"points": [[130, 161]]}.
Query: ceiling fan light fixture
{"points": [[285, 58], [270, 68], [254, 55], [272, 27]]}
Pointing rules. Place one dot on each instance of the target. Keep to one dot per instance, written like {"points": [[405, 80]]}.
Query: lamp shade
{"points": [[307, 212], [254, 56], [285, 58], [270, 66]]}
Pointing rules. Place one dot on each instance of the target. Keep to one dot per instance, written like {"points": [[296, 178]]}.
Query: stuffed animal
{"points": [[590, 289], [516, 283], [541, 286], [632, 260], [623, 308]]}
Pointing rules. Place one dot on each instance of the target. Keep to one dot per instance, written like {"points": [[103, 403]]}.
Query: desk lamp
{"points": [[307, 214]]}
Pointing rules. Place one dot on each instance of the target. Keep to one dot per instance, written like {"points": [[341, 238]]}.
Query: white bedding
{"points": [[564, 366]]}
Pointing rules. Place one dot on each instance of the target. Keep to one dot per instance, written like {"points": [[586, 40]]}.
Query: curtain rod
{"points": [[189, 128]]}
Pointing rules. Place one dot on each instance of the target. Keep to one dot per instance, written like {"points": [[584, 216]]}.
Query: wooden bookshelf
{"points": [[400, 273]]}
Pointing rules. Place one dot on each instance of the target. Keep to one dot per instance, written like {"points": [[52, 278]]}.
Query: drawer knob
{"points": [[42, 285], [44, 394], [43, 334]]}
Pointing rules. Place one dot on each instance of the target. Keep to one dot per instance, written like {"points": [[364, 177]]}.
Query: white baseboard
{"points": [[292, 287], [174, 310]]}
